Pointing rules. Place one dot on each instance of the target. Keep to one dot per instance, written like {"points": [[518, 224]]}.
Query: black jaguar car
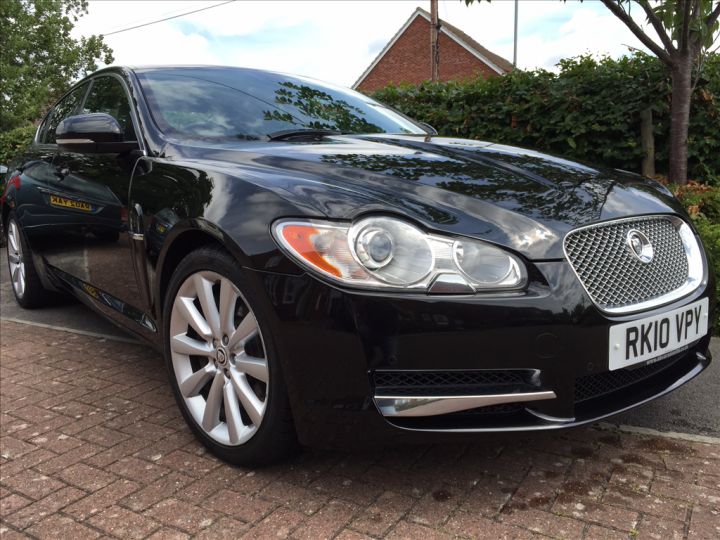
{"points": [[318, 267]]}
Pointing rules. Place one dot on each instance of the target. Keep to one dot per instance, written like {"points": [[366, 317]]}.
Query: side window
{"points": [[65, 109], [107, 95]]}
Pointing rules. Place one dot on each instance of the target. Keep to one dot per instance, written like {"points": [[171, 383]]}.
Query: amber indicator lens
{"points": [[300, 239]]}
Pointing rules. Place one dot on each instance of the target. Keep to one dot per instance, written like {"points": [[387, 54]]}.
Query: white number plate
{"points": [[638, 341]]}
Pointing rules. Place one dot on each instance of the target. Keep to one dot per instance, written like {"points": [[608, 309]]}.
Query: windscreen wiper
{"points": [[306, 133]]}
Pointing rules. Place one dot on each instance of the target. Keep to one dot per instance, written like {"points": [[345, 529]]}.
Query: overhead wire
{"points": [[126, 23], [168, 18]]}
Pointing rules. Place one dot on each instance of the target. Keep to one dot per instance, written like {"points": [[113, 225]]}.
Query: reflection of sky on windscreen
{"points": [[405, 124], [242, 100], [167, 94], [230, 111]]}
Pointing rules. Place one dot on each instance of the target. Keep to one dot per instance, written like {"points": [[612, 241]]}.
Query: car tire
{"points": [[27, 287], [218, 350]]}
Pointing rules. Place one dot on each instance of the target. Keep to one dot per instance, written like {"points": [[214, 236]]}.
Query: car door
{"points": [[37, 215], [93, 189]]}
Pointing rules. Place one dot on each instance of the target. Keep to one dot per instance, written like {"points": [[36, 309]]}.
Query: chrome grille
{"points": [[613, 276]]}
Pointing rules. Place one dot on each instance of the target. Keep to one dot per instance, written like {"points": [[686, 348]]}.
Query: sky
{"points": [[336, 41]]}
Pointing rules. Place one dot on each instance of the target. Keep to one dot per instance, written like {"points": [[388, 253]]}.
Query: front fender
{"points": [[179, 206]]}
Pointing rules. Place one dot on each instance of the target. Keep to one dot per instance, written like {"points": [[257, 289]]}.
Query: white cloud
{"points": [[588, 31], [336, 41], [156, 44]]}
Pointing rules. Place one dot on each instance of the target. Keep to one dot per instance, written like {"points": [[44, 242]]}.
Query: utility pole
{"points": [[516, 28], [434, 42]]}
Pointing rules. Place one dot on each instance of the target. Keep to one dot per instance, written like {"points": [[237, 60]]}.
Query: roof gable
{"points": [[492, 60]]}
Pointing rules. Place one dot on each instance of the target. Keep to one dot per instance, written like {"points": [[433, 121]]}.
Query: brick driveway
{"points": [[94, 446]]}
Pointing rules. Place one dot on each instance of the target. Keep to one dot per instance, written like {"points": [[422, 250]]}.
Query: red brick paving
{"points": [[91, 449]]}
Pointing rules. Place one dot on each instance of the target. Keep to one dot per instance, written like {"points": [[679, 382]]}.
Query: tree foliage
{"points": [[15, 141], [589, 110], [313, 103], [687, 31], [687, 28], [38, 57]]}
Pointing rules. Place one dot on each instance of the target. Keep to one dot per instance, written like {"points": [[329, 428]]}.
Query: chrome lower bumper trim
{"points": [[435, 405]]}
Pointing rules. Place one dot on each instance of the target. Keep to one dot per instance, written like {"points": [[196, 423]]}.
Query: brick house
{"points": [[407, 56]]}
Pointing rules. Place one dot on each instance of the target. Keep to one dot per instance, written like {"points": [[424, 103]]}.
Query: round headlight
{"points": [[394, 252], [375, 248], [482, 263]]}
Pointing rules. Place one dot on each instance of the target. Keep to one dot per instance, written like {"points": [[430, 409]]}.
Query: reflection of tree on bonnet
{"points": [[487, 183], [331, 114]]}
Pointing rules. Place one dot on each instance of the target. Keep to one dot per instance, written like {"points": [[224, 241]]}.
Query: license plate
{"points": [[67, 203], [653, 337]]}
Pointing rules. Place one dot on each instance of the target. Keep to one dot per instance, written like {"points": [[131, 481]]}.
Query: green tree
{"points": [[687, 31], [38, 58]]}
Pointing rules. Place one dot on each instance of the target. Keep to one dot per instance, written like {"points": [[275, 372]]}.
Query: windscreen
{"points": [[226, 103]]}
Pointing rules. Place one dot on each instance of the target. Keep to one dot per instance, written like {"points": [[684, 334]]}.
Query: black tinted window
{"points": [[65, 109], [247, 104], [107, 95]]}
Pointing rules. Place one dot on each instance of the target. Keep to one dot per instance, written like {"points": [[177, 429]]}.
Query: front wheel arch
{"points": [[179, 245]]}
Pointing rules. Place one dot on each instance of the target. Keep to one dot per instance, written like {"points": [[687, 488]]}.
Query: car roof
{"points": [[160, 67], [163, 67]]}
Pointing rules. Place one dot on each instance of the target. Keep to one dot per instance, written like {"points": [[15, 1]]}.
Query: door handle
{"points": [[139, 256]]}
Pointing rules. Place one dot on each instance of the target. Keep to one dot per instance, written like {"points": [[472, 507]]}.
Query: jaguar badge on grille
{"points": [[640, 246]]}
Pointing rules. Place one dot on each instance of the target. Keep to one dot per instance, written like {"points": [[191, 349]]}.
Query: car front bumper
{"points": [[337, 345]]}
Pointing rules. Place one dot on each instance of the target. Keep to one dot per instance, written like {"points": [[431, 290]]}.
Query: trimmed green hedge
{"points": [[590, 110]]}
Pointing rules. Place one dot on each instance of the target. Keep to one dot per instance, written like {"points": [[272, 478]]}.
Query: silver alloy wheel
{"points": [[15, 258], [224, 387]]}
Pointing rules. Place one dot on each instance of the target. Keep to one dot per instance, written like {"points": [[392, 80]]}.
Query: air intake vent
{"points": [[600, 384], [437, 383]]}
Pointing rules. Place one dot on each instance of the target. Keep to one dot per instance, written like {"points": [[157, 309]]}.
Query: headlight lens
{"points": [[411, 257], [485, 264], [383, 252], [375, 248]]}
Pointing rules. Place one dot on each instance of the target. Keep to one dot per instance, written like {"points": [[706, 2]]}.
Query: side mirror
{"points": [[95, 133]]}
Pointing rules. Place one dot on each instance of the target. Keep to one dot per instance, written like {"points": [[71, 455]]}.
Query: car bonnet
{"points": [[518, 198]]}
